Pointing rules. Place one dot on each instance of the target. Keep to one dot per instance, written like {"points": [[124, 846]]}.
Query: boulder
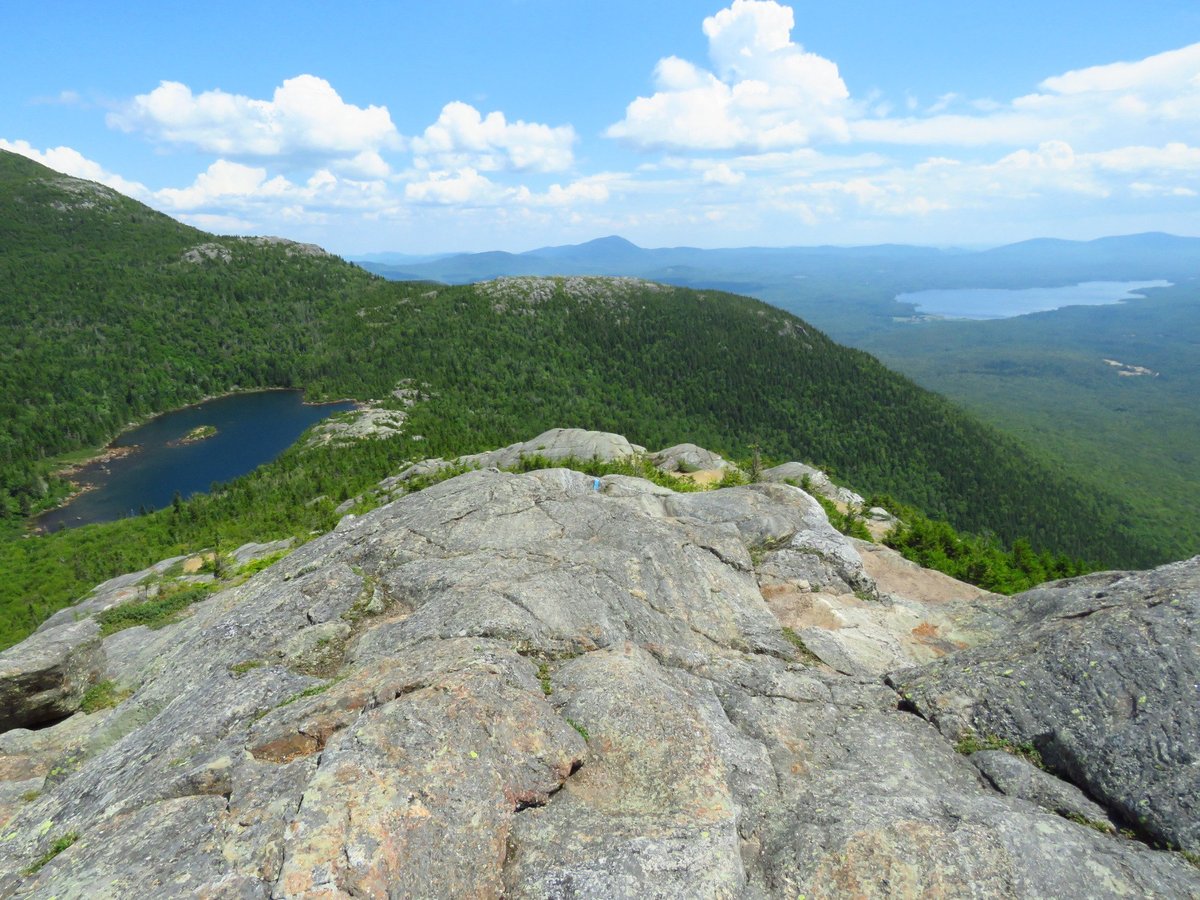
{"points": [[1100, 674], [800, 474], [43, 679], [688, 458], [558, 444], [554, 445]]}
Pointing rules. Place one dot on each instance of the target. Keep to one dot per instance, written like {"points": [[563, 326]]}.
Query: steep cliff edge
{"points": [[549, 684]]}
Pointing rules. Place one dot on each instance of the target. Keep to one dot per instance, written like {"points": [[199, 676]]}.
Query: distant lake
{"points": [[986, 303], [252, 429]]}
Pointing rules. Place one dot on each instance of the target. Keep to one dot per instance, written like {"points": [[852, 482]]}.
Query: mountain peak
{"points": [[612, 241]]}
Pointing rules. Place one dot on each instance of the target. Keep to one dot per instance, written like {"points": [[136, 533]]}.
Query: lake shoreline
{"points": [[78, 490], [94, 458], [992, 304], [100, 454]]}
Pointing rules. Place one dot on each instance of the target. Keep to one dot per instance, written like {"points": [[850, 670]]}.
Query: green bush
{"points": [[156, 613]]}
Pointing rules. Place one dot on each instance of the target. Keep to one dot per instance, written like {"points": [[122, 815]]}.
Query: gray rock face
{"points": [[519, 685], [819, 482], [1100, 673], [556, 444], [43, 678], [688, 458], [114, 592], [1010, 774]]}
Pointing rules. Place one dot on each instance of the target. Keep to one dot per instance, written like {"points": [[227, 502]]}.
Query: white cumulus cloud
{"points": [[234, 189], [224, 181], [766, 92], [723, 174], [464, 187], [590, 190], [463, 138], [1152, 99], [304, 117]]}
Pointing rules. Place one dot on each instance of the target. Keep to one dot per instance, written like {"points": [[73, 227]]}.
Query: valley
{"points": [[1040, 377], [525, 450], [90, 342]]}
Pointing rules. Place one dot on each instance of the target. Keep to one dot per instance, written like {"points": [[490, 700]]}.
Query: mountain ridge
{"points": [[613, 255]]}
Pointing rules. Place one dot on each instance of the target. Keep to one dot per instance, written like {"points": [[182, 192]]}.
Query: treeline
{"points": [[978, 559]]}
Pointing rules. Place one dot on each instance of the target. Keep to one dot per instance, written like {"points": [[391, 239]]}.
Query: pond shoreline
{"points": [[108, 451], [245, 428]]}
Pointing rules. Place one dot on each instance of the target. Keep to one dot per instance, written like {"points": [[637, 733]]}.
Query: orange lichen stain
{"points": [[776, 590]]}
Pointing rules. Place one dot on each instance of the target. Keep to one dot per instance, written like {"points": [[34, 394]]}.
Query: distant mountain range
{"points": [[1050, 261]]}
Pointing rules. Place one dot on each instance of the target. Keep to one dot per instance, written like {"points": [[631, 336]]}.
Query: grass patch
{"points": [[308, 692], [802, 650], [1081, 819], [237, 670], [257, 565], [973, 743], [583, 732], [543, 675], [156, 613], [56, 848], [759, 551], [848, 523], [102, 695], [420, 482], [634, 467]]}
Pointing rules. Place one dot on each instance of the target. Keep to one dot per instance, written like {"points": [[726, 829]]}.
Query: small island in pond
{"points": [[197, 434]]}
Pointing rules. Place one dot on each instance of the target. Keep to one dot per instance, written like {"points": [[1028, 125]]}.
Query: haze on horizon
{"points": [[523, 123]]}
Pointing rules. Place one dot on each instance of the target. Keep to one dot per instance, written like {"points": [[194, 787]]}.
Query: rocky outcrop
{"points": [[816, 480], [292, 248], [43, 679], [688, 458], [209, 251], [555, 445], [537, 685], [1102, 675], [558, 444], [359, 424]]}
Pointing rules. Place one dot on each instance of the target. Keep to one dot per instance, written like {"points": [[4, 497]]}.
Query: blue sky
{"points": [[511, 124]]}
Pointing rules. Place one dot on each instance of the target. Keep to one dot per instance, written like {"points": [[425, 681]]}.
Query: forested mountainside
{"points": [[112, 312], [1051, 379]]}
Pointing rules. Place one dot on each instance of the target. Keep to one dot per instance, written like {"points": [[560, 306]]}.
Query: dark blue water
{"points": [[986, 303], [252, 429]]}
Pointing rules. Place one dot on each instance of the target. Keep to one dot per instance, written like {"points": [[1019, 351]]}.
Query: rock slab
{"points": [[520, 685]]}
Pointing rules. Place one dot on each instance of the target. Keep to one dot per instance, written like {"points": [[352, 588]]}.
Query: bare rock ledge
{"points": [[521, 685]]}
